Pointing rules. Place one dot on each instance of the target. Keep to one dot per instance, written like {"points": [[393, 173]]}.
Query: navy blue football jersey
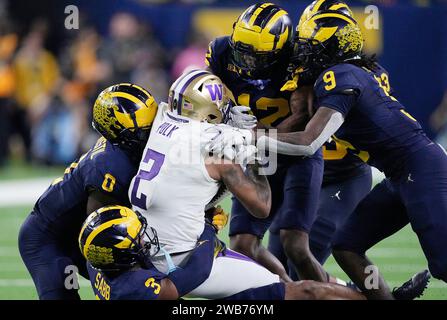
{"points": [[134, 284], [268, 103], [271, 105], [340, 163], [377, 129], [104, 167]]}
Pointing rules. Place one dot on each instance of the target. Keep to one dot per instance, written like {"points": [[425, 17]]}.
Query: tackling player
{"points": [[119, 247], [252, 63], [123, 115], [346, 180], [355, 103]]}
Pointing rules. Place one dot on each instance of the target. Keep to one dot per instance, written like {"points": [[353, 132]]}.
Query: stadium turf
{"points": [[398, 258]]}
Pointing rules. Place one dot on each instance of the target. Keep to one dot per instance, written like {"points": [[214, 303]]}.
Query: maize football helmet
{"points": [[123, 114], [323, 5], [325, 39], [115, 238], [262, 37], [199, 95]]}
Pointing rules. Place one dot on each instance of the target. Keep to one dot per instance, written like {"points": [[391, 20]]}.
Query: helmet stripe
{"points": [[98, 230], [183, 84], [258, 12], [100, 210], [247, 14], [265, 15], [334, 14], [317, 6], [130, 97]]}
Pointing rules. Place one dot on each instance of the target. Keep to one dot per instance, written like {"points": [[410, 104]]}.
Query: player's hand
{"points": [[228, 142], [220, 218], [239, 117], [246, 155]]}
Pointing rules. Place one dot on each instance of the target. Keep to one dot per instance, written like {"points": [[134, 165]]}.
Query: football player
{"points": [[252, 63], [119, 246], [346, 180], [355, 102], [123, 115], [177, 180]]}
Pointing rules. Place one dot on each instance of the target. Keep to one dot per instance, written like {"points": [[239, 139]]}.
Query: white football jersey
{"points": [[172, 186]]}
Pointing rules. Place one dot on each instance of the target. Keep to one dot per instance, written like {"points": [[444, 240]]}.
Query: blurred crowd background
{"points": [[50, 76]]}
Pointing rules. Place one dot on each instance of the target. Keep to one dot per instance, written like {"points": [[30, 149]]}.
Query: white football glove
{"points": [[238, 117], [246, 155], [228, 141]]}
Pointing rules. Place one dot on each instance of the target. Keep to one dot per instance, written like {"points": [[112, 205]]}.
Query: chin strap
{"points": [[171, 266]]}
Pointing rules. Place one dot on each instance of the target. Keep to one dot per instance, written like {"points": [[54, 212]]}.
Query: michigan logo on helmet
{"points": [[116, 238], [123, 114], [261, 37], [327, 38], [323, 5], [199, 95]]}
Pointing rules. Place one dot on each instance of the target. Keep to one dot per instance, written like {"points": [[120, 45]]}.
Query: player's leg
{"points": [[46, 262], [246, 231], [378, 216], [251, 246], [424, 193], [275, 247], [302, 186], [300, 290], [231, 273], [337, 201]]}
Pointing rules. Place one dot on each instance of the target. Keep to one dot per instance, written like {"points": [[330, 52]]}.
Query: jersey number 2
{"points": [[155, 160]]}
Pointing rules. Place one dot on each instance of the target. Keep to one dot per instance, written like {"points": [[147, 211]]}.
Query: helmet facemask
{"points": [[134, 139], [255, 64], [311, 55]]}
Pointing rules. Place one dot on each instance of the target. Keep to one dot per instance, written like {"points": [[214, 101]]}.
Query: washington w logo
{"points": [[216, 91]]}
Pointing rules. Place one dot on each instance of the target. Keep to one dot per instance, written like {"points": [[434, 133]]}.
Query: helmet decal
{"points": [[350, 38], [99, 255], [216, 91], [103, 113]]}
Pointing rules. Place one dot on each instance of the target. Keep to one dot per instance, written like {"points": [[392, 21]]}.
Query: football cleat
{"points": [[413, 288]]}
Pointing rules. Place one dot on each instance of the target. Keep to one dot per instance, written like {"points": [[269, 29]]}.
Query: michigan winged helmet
{"points": [[123, 114]]}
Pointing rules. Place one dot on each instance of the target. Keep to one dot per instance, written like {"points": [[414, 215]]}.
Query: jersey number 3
{"points": [[155, 160]]}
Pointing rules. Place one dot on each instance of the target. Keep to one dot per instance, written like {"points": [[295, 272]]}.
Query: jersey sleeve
{"points": [[199, 263], [338, 88], [215, 55]]}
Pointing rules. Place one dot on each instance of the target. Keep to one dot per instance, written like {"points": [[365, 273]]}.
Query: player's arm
{"points": [[250, 188], [168, 290], [198, 267], [301, 110], [336, 91], [320, 128], [98, 199]]}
